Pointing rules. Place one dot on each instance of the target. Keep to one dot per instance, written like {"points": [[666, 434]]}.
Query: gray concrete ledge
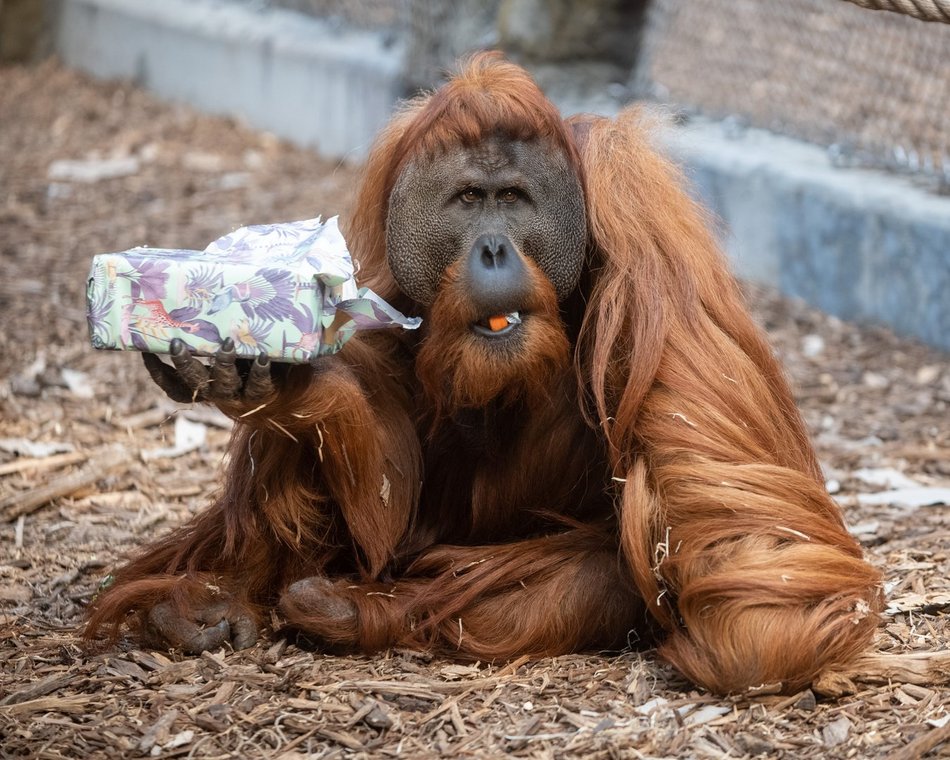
{"points": [[319, 85], [863, 245]]}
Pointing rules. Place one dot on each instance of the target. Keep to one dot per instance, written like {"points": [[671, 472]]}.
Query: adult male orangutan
{"points": [[588, 443]]}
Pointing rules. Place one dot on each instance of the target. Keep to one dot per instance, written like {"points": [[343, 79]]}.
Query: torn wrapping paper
{"points": [[287, 290]]}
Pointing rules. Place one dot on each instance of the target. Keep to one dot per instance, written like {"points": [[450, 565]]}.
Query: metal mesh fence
{"points": [[875, 87]]}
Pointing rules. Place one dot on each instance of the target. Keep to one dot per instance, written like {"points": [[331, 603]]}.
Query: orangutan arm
{"points": [[323, 466]]}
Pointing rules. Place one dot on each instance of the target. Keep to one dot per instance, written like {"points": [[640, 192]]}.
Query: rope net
{"points": [[925, 10], [873, 87]]}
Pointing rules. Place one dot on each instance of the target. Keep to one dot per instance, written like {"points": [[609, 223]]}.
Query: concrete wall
{"points": [[313, 82], [862, 244]]}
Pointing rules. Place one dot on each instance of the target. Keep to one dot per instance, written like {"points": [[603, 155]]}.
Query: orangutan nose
{"points": [[498, 276]]}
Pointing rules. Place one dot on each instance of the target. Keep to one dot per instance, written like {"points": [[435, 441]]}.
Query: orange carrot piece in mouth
{"points": [[498, 323]]}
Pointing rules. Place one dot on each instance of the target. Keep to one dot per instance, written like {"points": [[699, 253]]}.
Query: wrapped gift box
{"points": [[285, 289]]}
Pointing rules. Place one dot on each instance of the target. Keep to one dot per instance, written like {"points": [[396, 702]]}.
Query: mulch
{"points": [[83, 479]]}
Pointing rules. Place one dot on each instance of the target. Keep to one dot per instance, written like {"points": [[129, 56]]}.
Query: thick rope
{"points": [[925, 10]]}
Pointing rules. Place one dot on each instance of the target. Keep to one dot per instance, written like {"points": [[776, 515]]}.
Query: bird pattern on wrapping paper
{"points": [[267, 295]]}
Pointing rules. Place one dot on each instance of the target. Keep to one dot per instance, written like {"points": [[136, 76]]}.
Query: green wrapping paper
{"points": [[287, 290]]}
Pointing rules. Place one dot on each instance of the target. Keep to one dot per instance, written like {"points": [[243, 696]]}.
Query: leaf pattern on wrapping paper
{"points": [[363, 321], [303, 319], [201, 286], [166, 255], [327, 269], [285, 242], [148, 279], [182, 315], [318, 244], [250, 335], [310, 332], [286, 232], [379, 316], [139, 342], [235, 246], [370, 312], [266, 296], [207, 331], [97, 312]]}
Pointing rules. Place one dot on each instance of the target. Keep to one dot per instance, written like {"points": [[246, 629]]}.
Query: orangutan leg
{"points": [[542, 596]]}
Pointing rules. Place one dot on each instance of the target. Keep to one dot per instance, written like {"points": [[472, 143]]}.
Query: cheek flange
{"points": [[409, 249]]}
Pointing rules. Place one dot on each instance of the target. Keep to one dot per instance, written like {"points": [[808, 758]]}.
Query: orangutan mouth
{"points": [[499, 325]]}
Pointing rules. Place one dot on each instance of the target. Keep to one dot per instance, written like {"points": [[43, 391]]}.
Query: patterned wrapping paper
{"points": [[285, 289]]}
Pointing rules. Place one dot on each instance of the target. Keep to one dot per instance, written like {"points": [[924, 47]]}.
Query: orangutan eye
{"points": [[509, 196], [470, 195]]}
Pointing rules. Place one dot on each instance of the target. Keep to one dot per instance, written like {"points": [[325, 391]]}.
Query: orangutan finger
{"points": [[192, 371], [166, 378], [243, 631], [243, 626], [211, 614], [169, 626], [319, 598], [259, 383], [225, 380]]}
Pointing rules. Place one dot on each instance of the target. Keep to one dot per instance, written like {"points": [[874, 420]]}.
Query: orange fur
{"points": [[661, 483], [732, 539]]}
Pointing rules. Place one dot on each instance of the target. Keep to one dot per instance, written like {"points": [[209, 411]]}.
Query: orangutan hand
{"points": [[226, 381]]}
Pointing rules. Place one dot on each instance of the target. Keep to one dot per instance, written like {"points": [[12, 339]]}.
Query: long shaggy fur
{"points": [[638, 464]]}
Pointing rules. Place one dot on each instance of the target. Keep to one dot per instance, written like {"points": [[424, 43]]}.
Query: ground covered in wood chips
{"points": [[83, 478]]}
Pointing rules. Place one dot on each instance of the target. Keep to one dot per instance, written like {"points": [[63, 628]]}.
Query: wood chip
{"points": [[25, 503], [35, 465], [40, 688], [158, 732]]}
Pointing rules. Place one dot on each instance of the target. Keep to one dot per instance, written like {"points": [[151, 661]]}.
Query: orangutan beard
{"points": [[462, 368]]}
